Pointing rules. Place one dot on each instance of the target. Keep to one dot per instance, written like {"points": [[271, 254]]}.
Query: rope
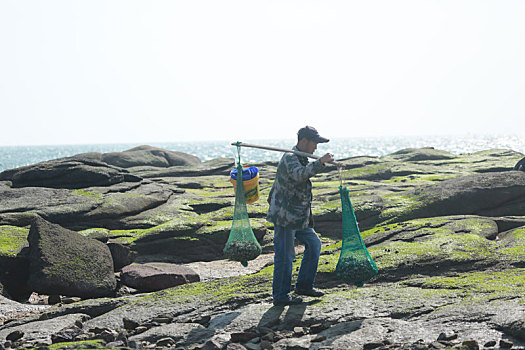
{"points": [[238, 144], [339, 167]]}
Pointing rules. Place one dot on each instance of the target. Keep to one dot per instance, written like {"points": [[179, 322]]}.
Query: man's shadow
{"points": [[292, 318]]}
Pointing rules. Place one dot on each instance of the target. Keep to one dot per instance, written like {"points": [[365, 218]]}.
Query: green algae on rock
{"points": [[12, 240]]}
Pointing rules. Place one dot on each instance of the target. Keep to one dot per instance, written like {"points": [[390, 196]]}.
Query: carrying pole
{"points": [[270, 148]]}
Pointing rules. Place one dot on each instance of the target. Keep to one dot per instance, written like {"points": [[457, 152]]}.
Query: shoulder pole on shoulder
{"points": [[270, 148]]}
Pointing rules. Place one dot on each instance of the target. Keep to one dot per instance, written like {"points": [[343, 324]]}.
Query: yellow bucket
{"points": [[251, 188]]}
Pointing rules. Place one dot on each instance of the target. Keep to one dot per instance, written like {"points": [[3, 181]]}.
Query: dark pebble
{"points": [[54, 299], [470, 345], [373, 345], [436, 345], [318, 327], [447, 336], [165, 342], [14, 336], [242, 337], [505, 344], [318, 338]]}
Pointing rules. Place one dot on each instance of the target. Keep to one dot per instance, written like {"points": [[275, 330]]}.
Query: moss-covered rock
{"points": [[431, 246], [491, 194], [65, 263], [419, 154]]}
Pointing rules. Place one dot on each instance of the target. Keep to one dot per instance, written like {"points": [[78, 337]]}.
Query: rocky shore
{"points": [[125, 251]]}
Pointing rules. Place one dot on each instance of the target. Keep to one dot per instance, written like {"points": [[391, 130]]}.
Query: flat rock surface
{"points": [[41, 331], [156, 276]]}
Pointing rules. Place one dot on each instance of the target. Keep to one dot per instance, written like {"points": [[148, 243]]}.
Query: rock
{"points": [[211, 345], [419, 154], [317, 327], [437, 345], [141, 329], [70, 300], [54, 299], [490, 194], [449, 335], [318, 338], [490, 344], [156, 276], [66, 334], [14, 336], [165, 342], [14, 272], [149, 156], [184, 334], [373, 345], [118, 344], [470, 344], [294, 344], [235, 346], [63, 262], [13, 263], [107, 335], [134, 344], [299, 331], [220, 166], [505, 344], [162, 319], [266, 345], [122, 255], [130, 324], [67, 173], [42, 330], [268, 336], [242, 337]]}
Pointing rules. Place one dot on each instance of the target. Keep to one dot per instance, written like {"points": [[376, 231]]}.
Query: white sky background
{"points": [[74, 72]]}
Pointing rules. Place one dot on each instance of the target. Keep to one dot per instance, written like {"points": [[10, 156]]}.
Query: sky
{"points": [[85, 72]]}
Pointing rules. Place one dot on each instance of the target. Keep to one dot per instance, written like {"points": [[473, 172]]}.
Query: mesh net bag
{"points": [[241, 245], [355, 265]]}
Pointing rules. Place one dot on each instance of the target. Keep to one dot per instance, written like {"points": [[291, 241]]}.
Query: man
{"points": [[290, 211]]}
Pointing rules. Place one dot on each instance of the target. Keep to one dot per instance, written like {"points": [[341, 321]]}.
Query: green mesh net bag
{"points": [[241, 245], [355, 265]]}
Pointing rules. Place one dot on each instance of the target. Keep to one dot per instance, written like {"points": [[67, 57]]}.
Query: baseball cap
{"points": [[312, 134]]}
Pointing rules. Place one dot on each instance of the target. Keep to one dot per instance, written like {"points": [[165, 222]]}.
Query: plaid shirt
{"points": [[290, 198]]}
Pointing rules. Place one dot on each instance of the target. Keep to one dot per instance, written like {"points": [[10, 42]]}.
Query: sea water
{"points": [[16, 156]]}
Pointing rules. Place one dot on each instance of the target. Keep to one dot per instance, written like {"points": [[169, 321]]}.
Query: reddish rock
{"points": [[151, 277]]}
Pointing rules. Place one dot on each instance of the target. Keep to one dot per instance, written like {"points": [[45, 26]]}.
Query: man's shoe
{"points": [[291, 301], [311, 293]]}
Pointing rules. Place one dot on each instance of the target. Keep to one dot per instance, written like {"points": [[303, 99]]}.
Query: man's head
{"points": [[308, 138]]}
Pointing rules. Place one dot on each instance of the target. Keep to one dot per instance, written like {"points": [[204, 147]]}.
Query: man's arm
{"points": [[301, 173]]}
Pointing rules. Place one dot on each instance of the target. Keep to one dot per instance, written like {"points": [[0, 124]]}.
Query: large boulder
{"points": [[156, 276], [219, 166], [66, 263], [81, 208], [488, 194], [149, 156], [420, 154], [67, 173]]}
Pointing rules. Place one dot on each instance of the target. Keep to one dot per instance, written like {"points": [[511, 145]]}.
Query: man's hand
{"points": [[327, 158]]}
